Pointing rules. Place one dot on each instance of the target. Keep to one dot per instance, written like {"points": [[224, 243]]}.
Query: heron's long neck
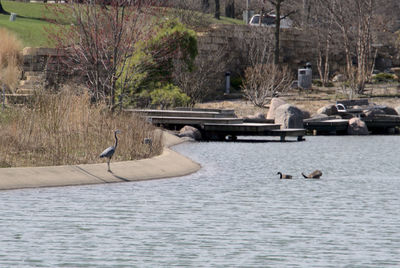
{"points": [[116, 140]]}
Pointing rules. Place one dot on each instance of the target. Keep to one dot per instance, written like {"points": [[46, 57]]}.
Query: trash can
{"points": [[227, 82], [305, 77], [13, 16]]}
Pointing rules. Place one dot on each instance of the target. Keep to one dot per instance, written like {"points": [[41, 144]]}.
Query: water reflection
{"points": [[234, 212]]}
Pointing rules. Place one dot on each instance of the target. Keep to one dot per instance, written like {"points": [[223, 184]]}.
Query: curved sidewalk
{"points": [[168, 164]]}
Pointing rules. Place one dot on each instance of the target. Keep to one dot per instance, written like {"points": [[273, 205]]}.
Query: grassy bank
{"points": [[65, 129], [30, 22]]}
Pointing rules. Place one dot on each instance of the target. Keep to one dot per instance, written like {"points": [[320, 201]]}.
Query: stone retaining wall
{"points": [[296, 49]]}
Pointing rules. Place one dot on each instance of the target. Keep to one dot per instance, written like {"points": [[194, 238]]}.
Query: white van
{"points": [[269, 20]]}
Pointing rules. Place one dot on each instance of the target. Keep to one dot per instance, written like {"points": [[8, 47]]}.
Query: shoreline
{"points": [[168, 164]]}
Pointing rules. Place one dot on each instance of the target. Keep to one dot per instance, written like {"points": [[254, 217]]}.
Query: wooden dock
{"points": [[376, 125], [178, 122], [219, 125], [330, 126], [200, 113], [232, 131], [382, 123]]}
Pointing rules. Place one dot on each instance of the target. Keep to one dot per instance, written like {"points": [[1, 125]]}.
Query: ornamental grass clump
{"points": [[65, 129], [10, 59]]}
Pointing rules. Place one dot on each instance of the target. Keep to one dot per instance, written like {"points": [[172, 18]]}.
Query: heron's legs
{"points": [[108, 164]]}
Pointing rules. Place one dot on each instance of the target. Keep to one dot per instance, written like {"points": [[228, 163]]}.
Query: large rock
{"points": [[398, 110], [380, 111], [329, 110], [275, 103], [357, 127], [306, 114], [289, 116], [190, 132], [390, 111], [339, 78], [257, 118], [373, 112]]}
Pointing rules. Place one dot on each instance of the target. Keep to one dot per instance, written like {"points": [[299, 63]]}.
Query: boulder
{"points": [[398, 110], [306, 114], [275, 103], [190, 132], [318, 117], [289, 116], [256, 118], [373, 112], [396, 71], [357, 127], [390, 111], [339, 78], [329, 110]]}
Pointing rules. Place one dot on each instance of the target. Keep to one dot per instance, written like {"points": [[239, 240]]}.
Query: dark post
{"points": [[277, 31], [217, 10], [230, 9], [205, 5]]}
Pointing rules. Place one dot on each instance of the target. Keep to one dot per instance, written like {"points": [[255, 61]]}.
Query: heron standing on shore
{"points": [[109, 152]]}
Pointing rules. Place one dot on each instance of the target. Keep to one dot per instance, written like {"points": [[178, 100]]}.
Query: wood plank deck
{"points": [[221, 131], [327, 126], [216, 125], [182, 113], [193, 121]]}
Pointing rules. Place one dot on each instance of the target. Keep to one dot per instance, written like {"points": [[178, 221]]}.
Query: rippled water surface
{"points": [[234, 212]]}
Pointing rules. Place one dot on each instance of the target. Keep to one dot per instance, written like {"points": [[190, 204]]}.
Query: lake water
{"points": [[234, 212]]}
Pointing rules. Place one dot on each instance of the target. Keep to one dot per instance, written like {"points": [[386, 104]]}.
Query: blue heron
{"points": [[109, 152]]}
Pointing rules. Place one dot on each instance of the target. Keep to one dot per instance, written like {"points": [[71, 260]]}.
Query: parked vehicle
{"points": [[269, 20]]}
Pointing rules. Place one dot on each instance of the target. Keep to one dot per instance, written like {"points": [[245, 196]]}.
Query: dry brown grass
{"points": [[309, 101], [65, 129], [10, 58]]}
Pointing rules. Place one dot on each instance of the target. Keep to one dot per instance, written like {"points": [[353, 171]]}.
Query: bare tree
{"points": [[205, 4], [321, 26], [198, 84], [265, 81], [102, 39], [354, 19], [263, 78], [278, 6]]}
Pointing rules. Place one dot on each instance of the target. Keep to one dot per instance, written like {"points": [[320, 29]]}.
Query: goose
{"points": [[284, 176], [316, 174]]}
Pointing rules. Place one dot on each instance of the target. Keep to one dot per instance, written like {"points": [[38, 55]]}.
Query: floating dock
{"points": [[330, 126], [381, 124], [218, 125], [200, 113], [232, 131]]}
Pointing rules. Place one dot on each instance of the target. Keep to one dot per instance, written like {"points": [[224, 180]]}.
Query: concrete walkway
{"points": [[168, 164]]}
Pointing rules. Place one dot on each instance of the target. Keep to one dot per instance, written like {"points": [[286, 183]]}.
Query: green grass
{"points": [[30, 23], [226, 20], [29, 10], [29, 31]]}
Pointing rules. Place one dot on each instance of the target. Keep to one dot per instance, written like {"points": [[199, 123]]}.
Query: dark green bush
{"points": [[236, 82]]}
